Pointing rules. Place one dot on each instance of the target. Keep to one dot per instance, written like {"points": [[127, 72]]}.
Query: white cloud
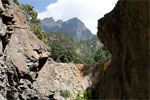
{"points": [[89, 11]]}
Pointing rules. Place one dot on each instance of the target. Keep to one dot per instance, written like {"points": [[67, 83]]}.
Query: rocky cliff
{"points": [[125, 32], [21, 54], [26, 71]]}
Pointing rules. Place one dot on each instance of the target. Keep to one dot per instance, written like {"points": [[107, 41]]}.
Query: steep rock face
{"points": [[124, 31], [20, 53], [26, 71]]}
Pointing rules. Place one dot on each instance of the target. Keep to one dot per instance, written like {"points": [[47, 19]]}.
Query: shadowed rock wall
{"points": [[125, 32]]}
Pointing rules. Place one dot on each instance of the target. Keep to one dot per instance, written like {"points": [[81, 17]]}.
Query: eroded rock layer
{"points": [[125, 32]]}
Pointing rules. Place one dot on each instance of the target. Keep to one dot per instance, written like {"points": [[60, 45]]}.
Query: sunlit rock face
{"points": [[26, 70], [125, 32], [20, 51]]}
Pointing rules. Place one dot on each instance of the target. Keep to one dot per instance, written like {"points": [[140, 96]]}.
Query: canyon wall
{"points": [[26, 70], [125, 33]]}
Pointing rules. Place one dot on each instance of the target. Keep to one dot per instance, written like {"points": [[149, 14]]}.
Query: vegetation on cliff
{"points": [[16, 2], [34, 22]]}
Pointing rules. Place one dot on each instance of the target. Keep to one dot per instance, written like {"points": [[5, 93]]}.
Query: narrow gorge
{"points": [[28, 73]]}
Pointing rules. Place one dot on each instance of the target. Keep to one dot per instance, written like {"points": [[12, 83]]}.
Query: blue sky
{"points": [[88, 11], [39, 5]]}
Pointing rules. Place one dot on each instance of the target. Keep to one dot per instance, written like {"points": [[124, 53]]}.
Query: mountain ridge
{"points": [[74, 26]]}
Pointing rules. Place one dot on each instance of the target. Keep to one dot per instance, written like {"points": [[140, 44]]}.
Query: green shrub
{"points": [[16, 2], [58, 60], [65, 93], [82, 95]]}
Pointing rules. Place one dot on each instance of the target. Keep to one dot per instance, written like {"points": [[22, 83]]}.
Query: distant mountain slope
{"points": [[65, 49], [73, 26]]}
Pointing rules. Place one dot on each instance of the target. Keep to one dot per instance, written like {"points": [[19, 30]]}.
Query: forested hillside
{"points": [[65, 49]]}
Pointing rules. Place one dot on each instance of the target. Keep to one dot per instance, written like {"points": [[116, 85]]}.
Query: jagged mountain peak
{"points": [[74, 26], [75, 19], [76, 22], [51, 19], [59, 21]]}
